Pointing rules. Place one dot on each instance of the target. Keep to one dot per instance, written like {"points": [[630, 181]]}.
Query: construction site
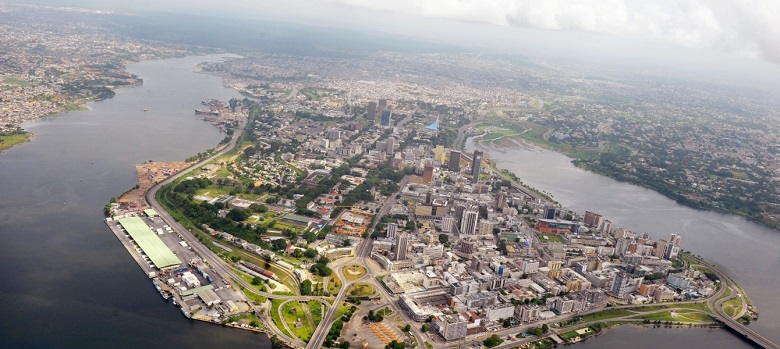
{"points": [[353, 222], [149, 173]]}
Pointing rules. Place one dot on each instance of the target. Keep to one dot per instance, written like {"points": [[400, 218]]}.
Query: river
{"points": [[746, 251], [65, 280]]}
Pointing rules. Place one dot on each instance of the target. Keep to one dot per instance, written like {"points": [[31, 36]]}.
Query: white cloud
{"points": [[750, 27]]}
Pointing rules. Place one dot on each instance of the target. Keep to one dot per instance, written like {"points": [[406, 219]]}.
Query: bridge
{"points": [[746, 332]]}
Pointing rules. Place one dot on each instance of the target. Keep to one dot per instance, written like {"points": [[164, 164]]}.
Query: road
{"points": [[215, 262], [361, 257]]}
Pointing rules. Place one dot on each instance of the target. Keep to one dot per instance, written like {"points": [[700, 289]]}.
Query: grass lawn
{"points": [[8, 141], [292, 312], [732, 306], [698, 306], [550, 238], [680, 316], [275, 304], [334, 284], [342, 309], [353, 272], [385, 312], [361, 290], [606, 314], [316, 310], [255, 297]]}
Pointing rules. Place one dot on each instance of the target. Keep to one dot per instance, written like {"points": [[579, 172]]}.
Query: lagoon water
{"points": [[750, 253], [65, 280]]}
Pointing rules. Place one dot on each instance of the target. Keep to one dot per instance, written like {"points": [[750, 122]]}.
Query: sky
{"points": [[738, 38]]}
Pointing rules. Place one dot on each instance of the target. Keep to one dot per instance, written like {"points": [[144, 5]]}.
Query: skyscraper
{"points": [[476, 165], [382, 104], [386, 114], [371, 111], [438, 153], [468, 224], [448, 224], [390, 146], [454, 164], [501, 199], [401, 241], [392, 228], [428, 174]]}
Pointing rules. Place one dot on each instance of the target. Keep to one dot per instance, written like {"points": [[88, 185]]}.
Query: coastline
{"points": [[10, 140], [522, 143]]}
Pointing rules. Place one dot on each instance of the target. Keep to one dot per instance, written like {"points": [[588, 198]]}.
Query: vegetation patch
{"points": [[353, 272], [361, 290], [10, 140]]}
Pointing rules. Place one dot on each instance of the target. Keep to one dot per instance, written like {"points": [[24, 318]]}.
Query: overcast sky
{"points": [[728, 35]]}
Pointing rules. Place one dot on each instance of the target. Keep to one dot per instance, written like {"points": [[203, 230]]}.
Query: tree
{"points": [[545, 328], [425, 328], [347, 242], [344, 345], [407, 328], [444, 238], [306, 287], [238, 215], [279, 244], [492, 341], [257, 280], [395, 345]]}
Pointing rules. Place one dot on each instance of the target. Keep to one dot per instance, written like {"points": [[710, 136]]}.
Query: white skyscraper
{"points": [[468, 223], [392, 228]]}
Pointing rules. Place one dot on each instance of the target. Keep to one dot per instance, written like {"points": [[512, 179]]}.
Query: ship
{"points": [[163, 293], [186, 313], [206, 111]]}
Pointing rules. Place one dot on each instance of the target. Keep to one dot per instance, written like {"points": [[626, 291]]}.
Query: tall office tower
{"points": [[448, 224], [401, 242], [390, 146], [468, 224], [371, 111], [501, 199], [454, 164], [392, 228], [428, 174], [438, 153], [428, 197], [660, 248], [675, 239], [459, 214], [485, 227], [674, 246], [549, 212], [382, 104], [620, 285], [385, 121], [476, 165], [621, 246]]}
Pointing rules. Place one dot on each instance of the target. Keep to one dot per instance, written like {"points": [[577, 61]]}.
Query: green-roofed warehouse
{"points": [[147, 240]]}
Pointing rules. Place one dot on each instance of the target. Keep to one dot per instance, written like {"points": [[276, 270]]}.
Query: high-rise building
{"points": [[592, 219], [620, 285], [468, 223], [448, 224], [454, 164], [660, 248], [401, 242], [371, 111], [476, 165], [674, 246], [501, 199], [550, 212], [392, 228], [390, 149], [621, 246], [485, 227], [438, 153], [428, 174], [385, 121], [382, 104], [467, 247]]}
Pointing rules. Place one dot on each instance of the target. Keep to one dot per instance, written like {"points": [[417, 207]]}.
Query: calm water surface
{"points": [[65, 280], [750, 253]]}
